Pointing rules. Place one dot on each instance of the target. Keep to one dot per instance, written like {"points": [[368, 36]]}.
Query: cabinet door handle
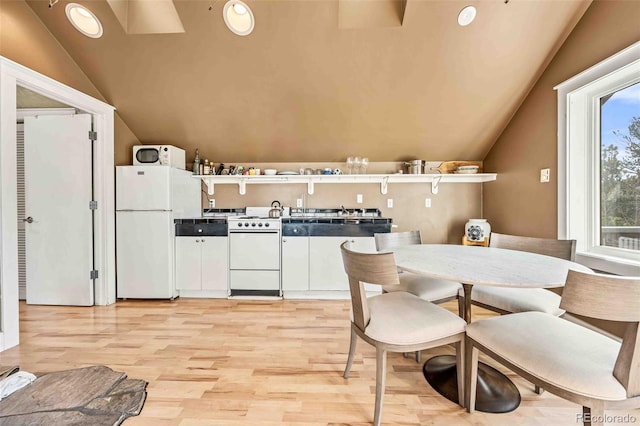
{"points": [[203, 240], [197, 241], [284, 241]]}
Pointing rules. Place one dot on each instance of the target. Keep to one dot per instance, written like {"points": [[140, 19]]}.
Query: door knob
{"points": [[28, 219]]}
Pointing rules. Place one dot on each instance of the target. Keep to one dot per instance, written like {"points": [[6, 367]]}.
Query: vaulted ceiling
{"points": [[303, 86]]}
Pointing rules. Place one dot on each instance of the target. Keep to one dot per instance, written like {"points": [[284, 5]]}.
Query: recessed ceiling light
{"points": [[83, 20], [239, 9], [238, 17], [466, 16]]}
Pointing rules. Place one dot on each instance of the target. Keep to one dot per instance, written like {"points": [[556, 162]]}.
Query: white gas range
{"points": [[254, 253]]}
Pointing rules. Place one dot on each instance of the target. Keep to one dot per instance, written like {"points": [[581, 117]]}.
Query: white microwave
{"points": [[159, 155]]}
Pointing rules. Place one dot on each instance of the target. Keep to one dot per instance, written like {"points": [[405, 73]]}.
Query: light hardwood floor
{"points": [[241, 362]]}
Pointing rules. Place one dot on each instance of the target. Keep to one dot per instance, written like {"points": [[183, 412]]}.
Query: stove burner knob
{"points": [[260, 224], [246, 224], [253, 224], [266, 224], [240, 224]]}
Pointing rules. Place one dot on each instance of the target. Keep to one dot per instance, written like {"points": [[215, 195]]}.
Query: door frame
{"points": [[13, 74]]}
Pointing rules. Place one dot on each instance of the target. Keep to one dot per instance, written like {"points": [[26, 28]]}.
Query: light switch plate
{"points": [[390, 203], [212, 203], [427, 202], [359, 198], [545, 175], [298, 202]]}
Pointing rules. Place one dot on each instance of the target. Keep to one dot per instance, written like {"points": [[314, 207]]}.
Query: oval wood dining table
{"points": [[475, 265]]}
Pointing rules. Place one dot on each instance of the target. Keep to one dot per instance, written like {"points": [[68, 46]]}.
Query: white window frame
{"points": [[579, 159]]}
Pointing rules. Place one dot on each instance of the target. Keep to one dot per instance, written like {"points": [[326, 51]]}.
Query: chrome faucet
{"points": [[343, 210]]}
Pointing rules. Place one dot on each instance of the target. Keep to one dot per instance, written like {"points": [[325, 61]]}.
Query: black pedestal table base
{"points": [[495, 393]]}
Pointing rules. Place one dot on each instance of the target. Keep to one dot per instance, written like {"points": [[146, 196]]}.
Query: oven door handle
{"points": [[253, 232]]}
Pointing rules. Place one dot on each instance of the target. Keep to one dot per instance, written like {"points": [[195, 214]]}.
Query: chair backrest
{"points": [[371, 268], [563, 249], [611, 298], [390, 240]]}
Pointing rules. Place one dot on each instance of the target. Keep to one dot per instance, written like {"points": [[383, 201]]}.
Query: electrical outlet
{"points": [[359, 198], [545, 175], [427, 202], [212, 203], [390, 203], [298, 202]]}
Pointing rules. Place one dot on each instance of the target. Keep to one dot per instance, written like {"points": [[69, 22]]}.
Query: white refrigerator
{"points": [[148, 199]]}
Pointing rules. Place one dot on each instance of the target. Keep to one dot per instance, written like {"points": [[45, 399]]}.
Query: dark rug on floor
{"points": [[89, 396]]}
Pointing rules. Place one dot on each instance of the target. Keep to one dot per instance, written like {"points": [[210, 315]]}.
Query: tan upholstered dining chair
{"points": [[504, 300], [507, 300], [431, 289], [395, 321], [570, 361], [427, 288]]}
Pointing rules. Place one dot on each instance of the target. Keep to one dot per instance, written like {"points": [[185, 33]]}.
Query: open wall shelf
{"points": [[311, 180]]}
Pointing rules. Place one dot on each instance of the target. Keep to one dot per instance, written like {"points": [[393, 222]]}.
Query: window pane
{"points": [[620, 168]]}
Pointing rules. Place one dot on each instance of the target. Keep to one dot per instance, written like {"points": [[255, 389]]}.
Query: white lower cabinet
{"points": [[326, 270], [295, 264], [201, 266]]}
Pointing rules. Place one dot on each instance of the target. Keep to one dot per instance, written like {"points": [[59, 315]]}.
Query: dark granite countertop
{"points": [[308, 222], [201, 227], [335, 227], [339, 220], [200, 220]]}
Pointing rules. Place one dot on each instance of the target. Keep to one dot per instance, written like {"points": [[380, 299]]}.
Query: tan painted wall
{"points": [[25, 40], [300, 88], [517, 202]]}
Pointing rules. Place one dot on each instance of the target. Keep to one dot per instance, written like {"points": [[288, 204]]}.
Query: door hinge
{"points": [[93, 205], [93, 136], [93, 275]]}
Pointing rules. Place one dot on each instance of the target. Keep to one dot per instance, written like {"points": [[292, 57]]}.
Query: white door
{"points": [[145, 255], [143, 188], [326, 270], [215, 254], [295, 263], [189, 263], [254, 250], [58, 222]]}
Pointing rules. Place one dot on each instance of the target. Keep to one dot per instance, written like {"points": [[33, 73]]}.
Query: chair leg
{"points": [[460, 367], [538, 390], [461, 307], [593, 416], [471, 375], [352, 351], [418, 357], [586, 416], [381, 375]]}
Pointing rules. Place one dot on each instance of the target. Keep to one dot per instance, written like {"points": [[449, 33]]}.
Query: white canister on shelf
{"points": [[477, 229]]}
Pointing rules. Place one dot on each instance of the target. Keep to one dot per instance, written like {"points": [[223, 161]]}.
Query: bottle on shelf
{"points": [[196, 163], [212, 169], [206, 169]]}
